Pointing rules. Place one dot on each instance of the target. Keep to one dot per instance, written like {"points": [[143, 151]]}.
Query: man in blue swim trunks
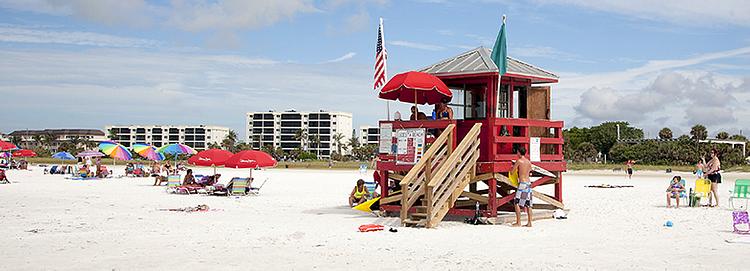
{"points": [[523, 197]]}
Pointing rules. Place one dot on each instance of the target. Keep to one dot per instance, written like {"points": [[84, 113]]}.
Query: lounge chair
{"points": [[173, 181], [741, 191], [702, 189], [370, 185], [239, 186], [256, 190]]}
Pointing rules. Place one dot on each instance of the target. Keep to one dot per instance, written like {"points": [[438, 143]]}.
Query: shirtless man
{"points": [[523, 193]]}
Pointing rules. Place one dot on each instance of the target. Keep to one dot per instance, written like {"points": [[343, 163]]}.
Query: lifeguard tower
{"points": [[467, 159]]}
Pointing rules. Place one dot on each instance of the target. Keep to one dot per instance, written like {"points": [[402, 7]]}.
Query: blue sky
{"points": [[92, 63]]}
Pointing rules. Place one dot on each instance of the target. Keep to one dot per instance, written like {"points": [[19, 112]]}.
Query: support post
{"points": [[558, 187], [492, 197]]}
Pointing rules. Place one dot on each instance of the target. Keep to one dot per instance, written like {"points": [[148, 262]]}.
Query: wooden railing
{"points": [[412, 185], [452, 176], [507, 132]]}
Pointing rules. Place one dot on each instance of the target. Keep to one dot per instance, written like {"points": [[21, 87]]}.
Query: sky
{"points": [[91, 63]]}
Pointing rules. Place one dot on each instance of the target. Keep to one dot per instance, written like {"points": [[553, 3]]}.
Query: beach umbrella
{"points": [[210, 157], [115, 150], [85, 154], [7, 146], [250, 159], [147, 151], [4, 155], [63, 156], [176, 149], [415, 87], [24, 153]]}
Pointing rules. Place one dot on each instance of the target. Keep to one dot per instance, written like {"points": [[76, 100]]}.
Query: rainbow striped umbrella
{"points": [[176, 149], [147, 151], [115, 150]]}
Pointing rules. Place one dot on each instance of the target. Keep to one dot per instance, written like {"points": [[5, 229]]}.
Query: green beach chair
{"points": [[173, 181], [239, 186], [741, 191]]}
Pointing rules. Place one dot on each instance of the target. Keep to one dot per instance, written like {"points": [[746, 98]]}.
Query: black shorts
{"points": [[714, 177], [630, 171]]}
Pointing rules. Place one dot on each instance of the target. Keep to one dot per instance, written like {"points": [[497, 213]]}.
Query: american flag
{"points": [[380, 59]]}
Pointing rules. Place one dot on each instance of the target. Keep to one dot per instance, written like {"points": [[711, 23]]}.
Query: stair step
{"points": [[414, 223], [420, 209], [419, 215]]}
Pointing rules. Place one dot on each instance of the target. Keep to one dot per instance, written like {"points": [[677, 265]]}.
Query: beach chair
{"points": [[239, 185], [256, 190], [740, 218], [370, 185], [52, 170], [173, 181], [702, 189], [741, 187]]}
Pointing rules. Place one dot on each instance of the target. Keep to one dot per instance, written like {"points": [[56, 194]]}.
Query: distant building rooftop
{"points": [[88, 132]]}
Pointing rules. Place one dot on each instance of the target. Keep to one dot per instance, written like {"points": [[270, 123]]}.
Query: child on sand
{"points": [[674, 190], [358, 193]]}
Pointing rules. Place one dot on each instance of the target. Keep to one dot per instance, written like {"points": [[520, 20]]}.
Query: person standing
{"points": [[630, 164], [700, 168], [523, 197], [713, 169]]}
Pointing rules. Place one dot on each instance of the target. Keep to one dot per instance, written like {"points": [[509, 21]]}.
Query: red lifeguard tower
{"points": [[468, 160]]}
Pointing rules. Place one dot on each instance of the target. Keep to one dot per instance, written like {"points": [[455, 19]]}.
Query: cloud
{"points": [[543, 52], [197, 16], [695, 13], [416, 45], [9, 33], [357, 22], [672, 98], [348, 55], [109, 12], [124, 85]]}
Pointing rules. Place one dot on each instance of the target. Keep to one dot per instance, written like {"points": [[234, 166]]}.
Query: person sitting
{"points": [[103, 171], [358, 194], [444, 111], [129, 169], [83, 171], [674, 190], [416, 115], [189, 178], [3, 177], [167, 168], [155, 169]]}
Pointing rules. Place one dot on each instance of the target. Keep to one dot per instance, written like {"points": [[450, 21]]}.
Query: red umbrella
{"points": [[7, 146], [415, 87], [250, 159], [210, 158], [24, 153]]}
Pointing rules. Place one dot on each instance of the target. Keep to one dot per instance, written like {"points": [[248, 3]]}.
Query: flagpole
{"points": [[385, 69]]}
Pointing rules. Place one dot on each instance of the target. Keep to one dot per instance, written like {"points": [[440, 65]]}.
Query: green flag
{"points": [[500, 50]]}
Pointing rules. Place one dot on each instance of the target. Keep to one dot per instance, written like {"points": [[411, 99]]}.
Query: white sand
{"points": [[300, 222]]}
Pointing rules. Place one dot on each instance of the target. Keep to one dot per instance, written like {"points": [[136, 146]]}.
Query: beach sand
{"points": [[301, 221]]}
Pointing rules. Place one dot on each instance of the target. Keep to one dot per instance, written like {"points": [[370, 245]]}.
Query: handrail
{"points": [[453, 175], [412, 185]]}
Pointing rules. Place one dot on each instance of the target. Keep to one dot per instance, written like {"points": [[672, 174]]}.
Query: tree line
{"points": [[591, 144], [307, 141]]}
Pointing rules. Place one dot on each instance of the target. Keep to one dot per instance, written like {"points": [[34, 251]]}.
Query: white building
{"points": [[283, 129], [196, 136], [53, 138], [369, 135]]}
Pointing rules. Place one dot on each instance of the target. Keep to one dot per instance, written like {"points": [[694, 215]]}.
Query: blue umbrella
{"points": [[63, 156]]}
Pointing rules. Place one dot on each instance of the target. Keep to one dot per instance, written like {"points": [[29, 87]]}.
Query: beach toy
{"points": [[513, 176], [668, 224], [367, 206]]}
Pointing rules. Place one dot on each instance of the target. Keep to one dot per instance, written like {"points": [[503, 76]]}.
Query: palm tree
{"points": [[316, 139], [337, 140], [48, 140], [301, 136], [698, 132], [111, 134], [230, 141], [722, 135], [665, 133], [37, 140]]}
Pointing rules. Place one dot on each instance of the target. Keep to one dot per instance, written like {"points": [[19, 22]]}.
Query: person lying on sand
{"points": [[358, 193], [674, 190]]}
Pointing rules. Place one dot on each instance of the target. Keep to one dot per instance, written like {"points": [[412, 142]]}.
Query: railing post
{"points": [[428, 199], [404, 201]]}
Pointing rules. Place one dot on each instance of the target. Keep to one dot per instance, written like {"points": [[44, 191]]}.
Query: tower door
{"points": [[538, 107]]}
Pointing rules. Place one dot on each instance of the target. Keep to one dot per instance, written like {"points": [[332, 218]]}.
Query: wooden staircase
{"points": [[434, 184]]}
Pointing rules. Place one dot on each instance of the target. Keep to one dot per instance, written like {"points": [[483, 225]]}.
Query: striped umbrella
{"points": [[147, 151], [115, 150], [176, 149]]}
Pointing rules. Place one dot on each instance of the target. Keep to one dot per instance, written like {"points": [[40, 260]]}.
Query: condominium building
{"points": [[53, 138], [369, 135], [315, 132], [197, 136]]}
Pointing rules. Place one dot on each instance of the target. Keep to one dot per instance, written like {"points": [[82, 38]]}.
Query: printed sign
{"points": [[409, 145], [535, 149], [386, 138]]}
